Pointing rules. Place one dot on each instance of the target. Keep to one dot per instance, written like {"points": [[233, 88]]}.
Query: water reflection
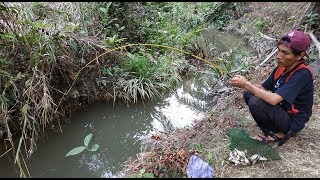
{"points": [[118, 129]]}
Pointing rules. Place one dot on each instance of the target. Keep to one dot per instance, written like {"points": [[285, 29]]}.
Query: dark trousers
{"points": [[269, 118]]}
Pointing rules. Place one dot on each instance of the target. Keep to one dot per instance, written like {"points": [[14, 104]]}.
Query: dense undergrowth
{"points": [[56, 57]]}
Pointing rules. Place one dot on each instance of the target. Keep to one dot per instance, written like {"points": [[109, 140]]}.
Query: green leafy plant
{"points": [[262, 25], [199, 147], [141, 174], [140, 64], [311, 19], [86, 142], [113, 41], [107, 71]]}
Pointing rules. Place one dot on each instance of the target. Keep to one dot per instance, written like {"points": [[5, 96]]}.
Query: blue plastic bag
{"points": [[197, 168]]}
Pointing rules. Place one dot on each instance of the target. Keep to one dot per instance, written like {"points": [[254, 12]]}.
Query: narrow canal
{"points": [[118, 129]]}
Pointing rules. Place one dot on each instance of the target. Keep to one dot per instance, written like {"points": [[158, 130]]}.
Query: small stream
{"points": [[118, 129]]}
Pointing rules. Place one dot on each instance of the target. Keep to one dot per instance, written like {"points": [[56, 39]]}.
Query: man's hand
{"points": [[269, 97], [238, 81]]}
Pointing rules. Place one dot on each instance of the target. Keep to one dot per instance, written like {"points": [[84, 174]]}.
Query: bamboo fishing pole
{"points": [[130, 45]]}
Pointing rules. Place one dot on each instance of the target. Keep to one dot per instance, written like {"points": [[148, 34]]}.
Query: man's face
{"points": [[285, 57]]}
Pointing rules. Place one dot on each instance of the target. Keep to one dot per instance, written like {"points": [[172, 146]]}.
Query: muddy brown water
{"points": [[118, 129]]}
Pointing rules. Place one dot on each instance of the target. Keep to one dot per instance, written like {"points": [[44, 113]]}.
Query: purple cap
{"points": [[296, 39]]}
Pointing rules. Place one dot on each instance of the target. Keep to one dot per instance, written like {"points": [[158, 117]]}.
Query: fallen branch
{"points": [[297, 23], [266, 37], [315, 66], [315, 41], [5, 152], [267, 58]]}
